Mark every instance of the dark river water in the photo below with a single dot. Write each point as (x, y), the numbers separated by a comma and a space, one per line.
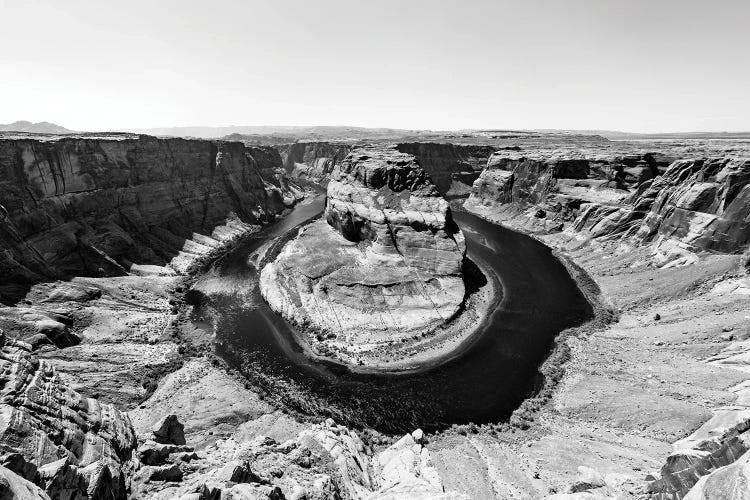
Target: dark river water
(485, 383)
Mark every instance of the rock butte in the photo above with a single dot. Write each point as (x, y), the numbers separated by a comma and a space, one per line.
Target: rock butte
(383, 265)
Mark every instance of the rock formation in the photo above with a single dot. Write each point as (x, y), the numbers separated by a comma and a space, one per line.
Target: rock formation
(313, 161)
(693, 204)
(727, 483)
(700, 204)
(70, 446)
(384, 264)
(324, 461)
(94, 205)
(452, 167)
(117, 204)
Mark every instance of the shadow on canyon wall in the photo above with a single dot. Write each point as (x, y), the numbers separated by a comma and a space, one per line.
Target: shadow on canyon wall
(119, 204)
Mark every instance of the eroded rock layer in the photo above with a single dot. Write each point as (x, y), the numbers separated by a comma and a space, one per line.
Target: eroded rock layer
(94, 205)
(452, 167)
(69, 445)
(314, 161)
(385, 263)
(687, 205)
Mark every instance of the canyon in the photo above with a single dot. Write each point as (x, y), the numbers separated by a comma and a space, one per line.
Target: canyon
(109, 357)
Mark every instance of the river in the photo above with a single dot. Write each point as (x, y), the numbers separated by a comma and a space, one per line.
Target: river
(485, 383)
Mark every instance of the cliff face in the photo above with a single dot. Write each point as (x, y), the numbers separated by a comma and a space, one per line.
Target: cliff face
(523, 179)
(689, 204)
(699, 204)
(452, 167)
(387, 199)
(95, 205)
(312, 161)
(385, 263)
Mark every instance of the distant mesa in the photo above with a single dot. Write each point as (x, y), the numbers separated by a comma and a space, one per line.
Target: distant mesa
(35, 128)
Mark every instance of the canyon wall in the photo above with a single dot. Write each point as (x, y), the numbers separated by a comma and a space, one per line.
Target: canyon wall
(452, 167)
(313, 161)
(94, 205)
(686, 205)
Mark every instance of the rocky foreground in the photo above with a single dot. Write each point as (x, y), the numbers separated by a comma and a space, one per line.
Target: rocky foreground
(55, 443)
(383, 266)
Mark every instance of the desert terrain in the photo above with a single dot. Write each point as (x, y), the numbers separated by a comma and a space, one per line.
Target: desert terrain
(117, 312)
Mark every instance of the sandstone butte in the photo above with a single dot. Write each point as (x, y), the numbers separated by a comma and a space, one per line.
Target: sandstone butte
(385, 262)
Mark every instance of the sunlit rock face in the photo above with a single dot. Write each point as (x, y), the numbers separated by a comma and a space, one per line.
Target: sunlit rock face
(685, 205)
(385, 198)
(697, 204)
(452, 167)
(69, 445)
(524, 178)
(386, 261)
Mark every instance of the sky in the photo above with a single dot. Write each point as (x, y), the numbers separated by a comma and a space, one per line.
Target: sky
(630, 65)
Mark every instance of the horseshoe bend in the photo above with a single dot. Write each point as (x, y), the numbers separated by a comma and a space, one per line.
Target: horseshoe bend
(381, 271)
(426, 293)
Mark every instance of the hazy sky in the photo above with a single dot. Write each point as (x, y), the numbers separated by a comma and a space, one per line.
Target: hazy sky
(634, 65)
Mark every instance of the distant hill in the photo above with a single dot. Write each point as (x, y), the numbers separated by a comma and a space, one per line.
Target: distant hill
(624, 136)
(310, 132)
(35, 128)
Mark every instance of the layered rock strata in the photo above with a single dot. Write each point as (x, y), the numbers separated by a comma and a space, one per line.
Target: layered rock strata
(452, 167)
(313, 161)
(69, 445)
(323, 461)
(95, 205)
(384, 264)
(693, 204)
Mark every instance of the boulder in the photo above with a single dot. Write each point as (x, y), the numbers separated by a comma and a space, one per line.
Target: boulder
(236, 472)
(167, 472)
(169, 430)
(13, 486)
(69, 292)
(153, 453)
(731, 482)
(587, 479)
